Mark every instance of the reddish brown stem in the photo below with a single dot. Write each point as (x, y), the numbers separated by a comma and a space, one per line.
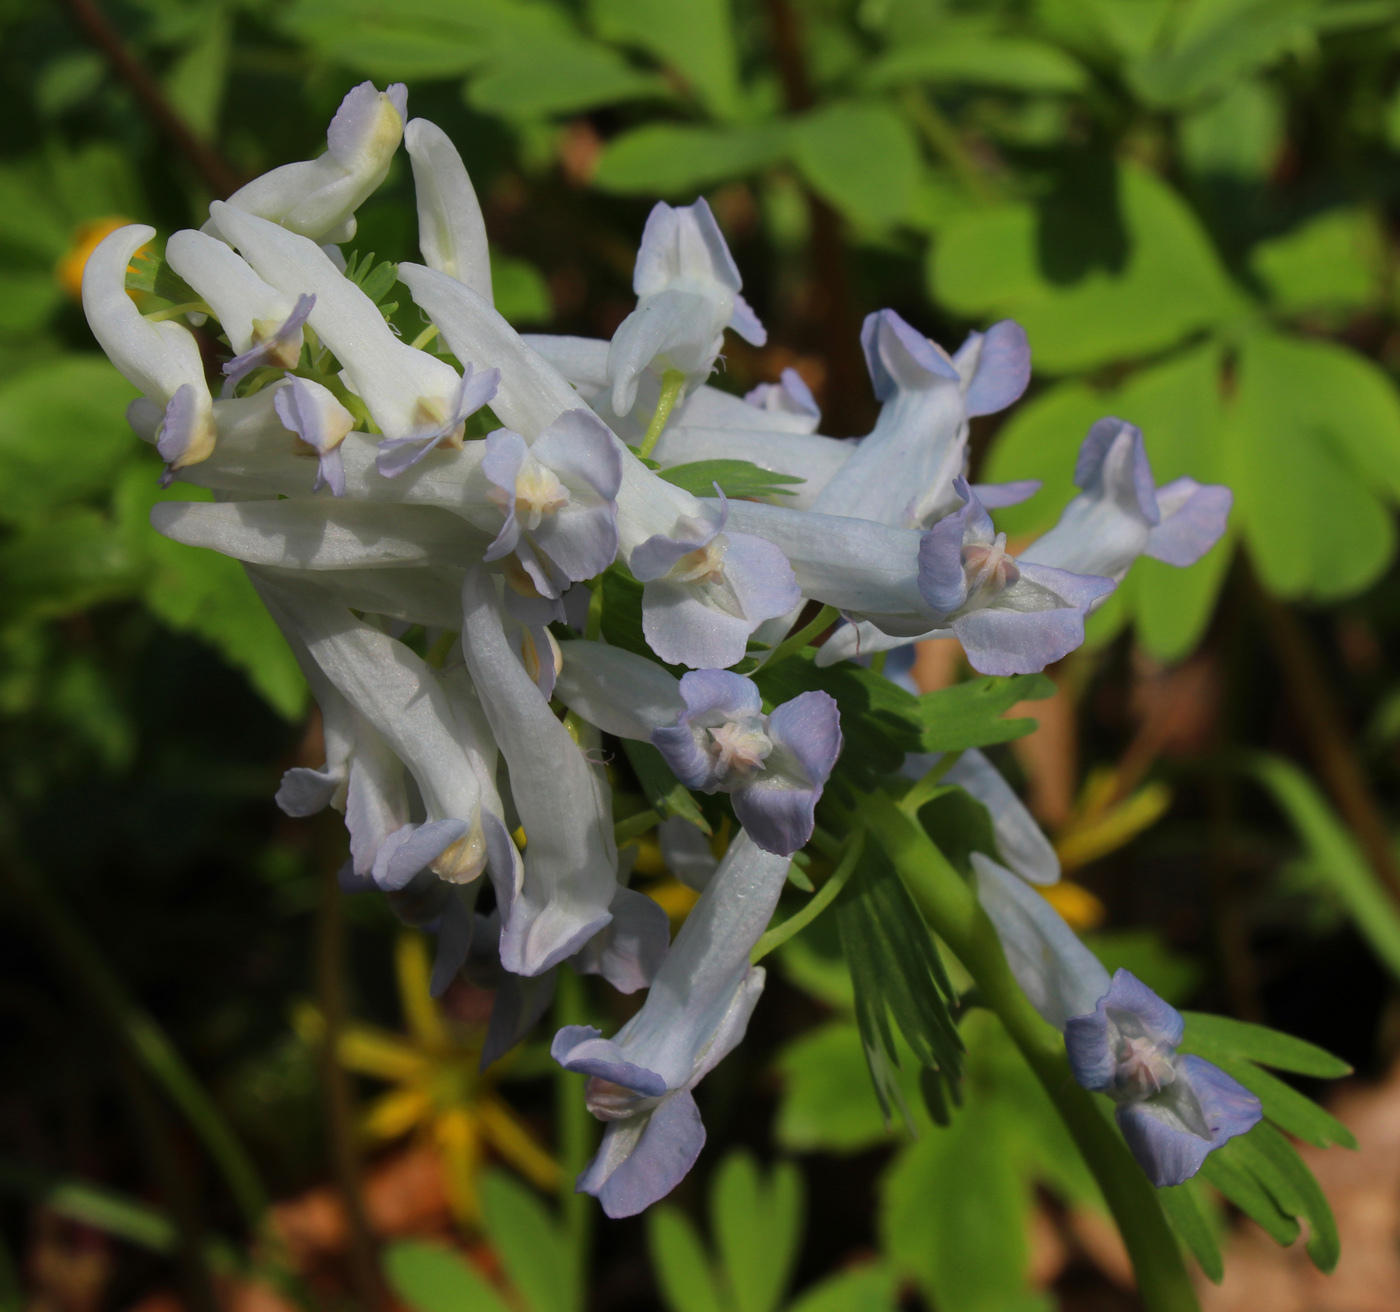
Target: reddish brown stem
(217, 174)
(846, 406)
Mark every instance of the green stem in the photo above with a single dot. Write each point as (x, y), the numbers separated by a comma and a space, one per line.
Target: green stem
(672, 385)
(826, 617)
(820, 900)
(574, 1131)
(954, 914)
(593, 629)
(943, 138)
(929, 787)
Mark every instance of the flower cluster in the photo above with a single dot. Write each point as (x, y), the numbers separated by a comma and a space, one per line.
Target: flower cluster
(430, 523)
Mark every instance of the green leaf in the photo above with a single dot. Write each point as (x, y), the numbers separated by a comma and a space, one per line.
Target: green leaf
(65, 563)
(622, 615)
(955, 1211)
(422, 38)
(1219, 1038)
(1230, 1169)
(682, 1268)
(665, 794)
(862, 158)
(1190, 1216)
(826, 1104)
(869, 1288)
(537, 1256)
(63, 434)
(1014, 63)
(208, 595)
(1238, 136)
(757, 1226)
(1290, 1110)
(673, 159)
(1315, 526)
(1215, 46)
(1277, 1166)
(896, 972)
(696, 39)
(559, 77)
(1334, 261)
(375, 280)
(195, 84)
(960, 825)
(985, 264)
(970, 714)
(432, 1278)
(736, 478)
(1337, 857)
(148, 272)
(520, 290)
(880, 721)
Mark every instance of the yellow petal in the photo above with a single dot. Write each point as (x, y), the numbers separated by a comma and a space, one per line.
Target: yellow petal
(676, 899)
(396, 1113)
(516, 1144)
(69, 269)
(460, 1145)
(420, 1011)
(1080, 909)
(377, 1052)
(1093, 835)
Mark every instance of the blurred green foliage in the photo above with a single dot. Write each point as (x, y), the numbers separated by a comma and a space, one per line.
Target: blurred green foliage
(1189, 204)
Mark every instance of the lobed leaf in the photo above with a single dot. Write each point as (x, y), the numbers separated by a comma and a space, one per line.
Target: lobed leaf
(1290, 1110)
(736, 478)
(433, 1278)
(1187, 1210)
(682, 1268)
(536, 1254)
(1219, 1038)
(970, 714)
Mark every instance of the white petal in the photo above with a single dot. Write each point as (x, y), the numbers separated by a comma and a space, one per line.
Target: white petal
(622, 693)
(393, 379)
(451, 231)
(320, 534)
(229, 287)
(1060, 976)
(563, 802)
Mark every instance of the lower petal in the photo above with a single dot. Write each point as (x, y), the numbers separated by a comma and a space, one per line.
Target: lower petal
(642, 1159)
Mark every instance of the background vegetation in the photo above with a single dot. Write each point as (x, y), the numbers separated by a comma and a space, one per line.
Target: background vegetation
(1191, 206)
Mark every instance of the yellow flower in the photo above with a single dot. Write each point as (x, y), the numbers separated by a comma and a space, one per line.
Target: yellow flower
(69, 269)
(437, 1090)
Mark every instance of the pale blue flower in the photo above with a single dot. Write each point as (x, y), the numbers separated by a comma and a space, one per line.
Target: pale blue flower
(695, 1013)
(773, 767)
(1120, 514)
(1173, 1109)
(559, 498)
(707, 590)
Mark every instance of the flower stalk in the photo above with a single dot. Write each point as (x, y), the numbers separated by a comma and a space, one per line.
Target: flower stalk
(954, 914)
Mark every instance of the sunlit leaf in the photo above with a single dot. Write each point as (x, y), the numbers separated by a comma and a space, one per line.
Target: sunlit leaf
(695, 38)
(986, 265)
(861, 157)
(672, 159)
